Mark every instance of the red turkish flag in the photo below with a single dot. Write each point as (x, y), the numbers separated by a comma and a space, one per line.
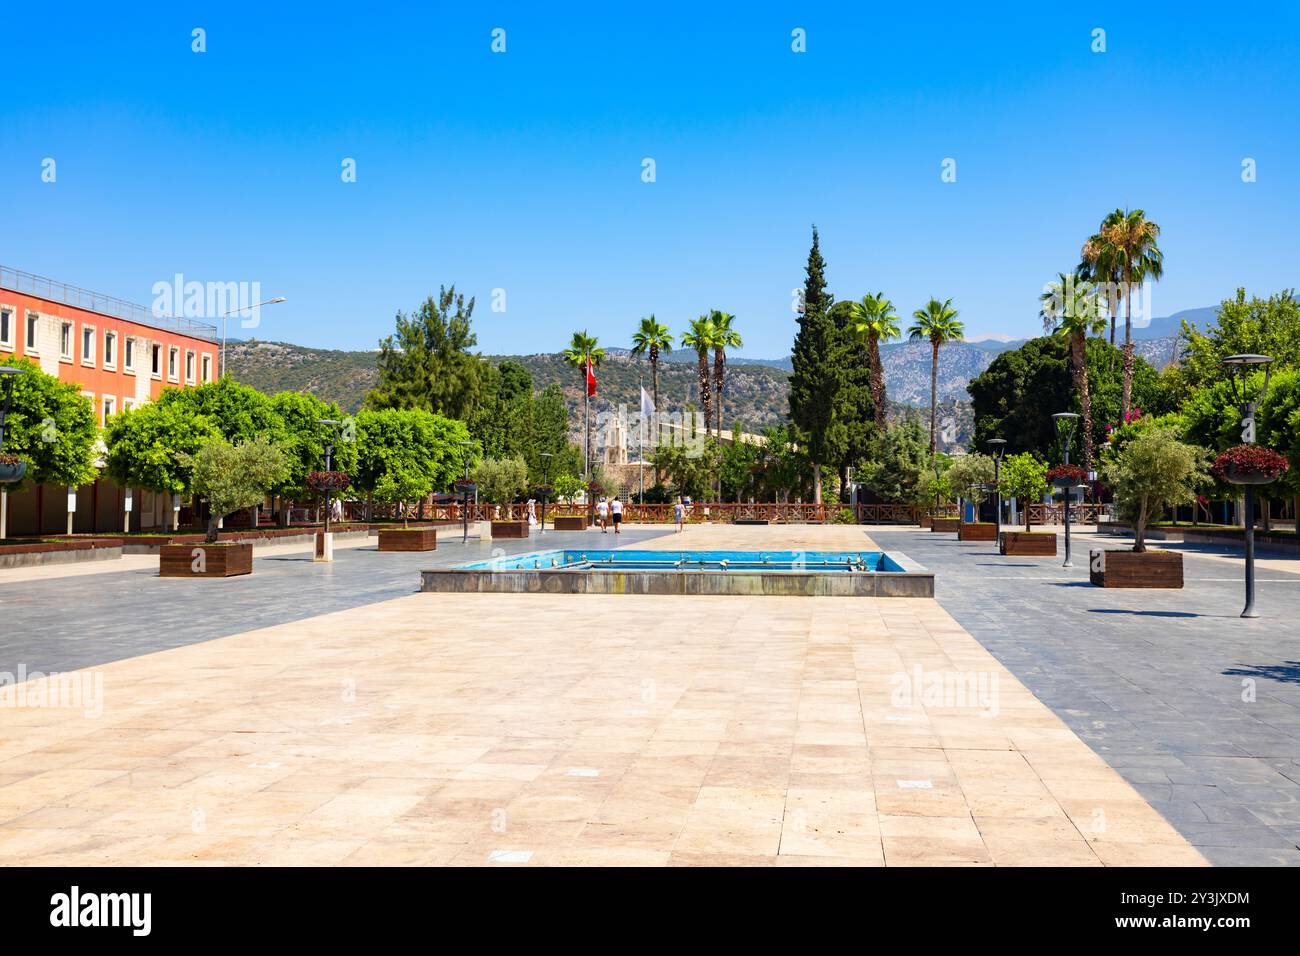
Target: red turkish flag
(591, 381)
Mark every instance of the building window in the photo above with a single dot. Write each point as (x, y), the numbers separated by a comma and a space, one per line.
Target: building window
(87, 345)
(110, 406)
(189, 367)
(155, 361)
(128, 355)
(65, 341)
(128, 404)
(207, 368)
(173, 356)
(110, 350)
(30, 346)
(7, 328)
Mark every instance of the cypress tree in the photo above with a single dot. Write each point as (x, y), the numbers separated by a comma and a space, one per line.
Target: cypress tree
(814, 380)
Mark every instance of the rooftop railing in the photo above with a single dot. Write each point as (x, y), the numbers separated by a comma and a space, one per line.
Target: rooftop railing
(43, 288)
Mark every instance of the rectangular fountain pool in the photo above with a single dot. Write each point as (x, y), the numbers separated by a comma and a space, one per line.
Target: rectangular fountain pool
(645, 571)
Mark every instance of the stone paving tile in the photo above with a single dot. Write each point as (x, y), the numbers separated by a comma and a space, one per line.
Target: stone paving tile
(527, 730)
(1152, 680)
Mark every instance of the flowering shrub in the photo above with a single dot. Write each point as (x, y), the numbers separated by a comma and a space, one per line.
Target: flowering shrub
(323, 481)
(8, 459)
(1250, 460)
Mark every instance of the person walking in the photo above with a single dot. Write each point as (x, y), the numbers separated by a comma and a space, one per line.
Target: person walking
(532, 514)
(616, 512)
(602, 514)
(679, 514)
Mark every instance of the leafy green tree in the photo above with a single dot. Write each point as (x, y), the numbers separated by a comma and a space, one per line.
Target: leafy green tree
(153, 446)
(737, 467)
(233, 477)
(691, 470)
(427, 363)
(1151, 471)
(51, 426)
(1243, 326)
(937, 323)
(1024, 477)
(784, 468)
(501, 480)
(403, 454)
(567, 487)
(304, 440)
(815, 374)
(970, 475)
(874, 321)
(900, 463)
(853, 420)
(1279, 429)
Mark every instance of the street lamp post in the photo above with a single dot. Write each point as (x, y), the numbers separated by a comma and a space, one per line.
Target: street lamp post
(997, 448)
(1065, 425)
(465, 492)
(226, 315)
(325, 545)
(1239, 366)
(546, 457)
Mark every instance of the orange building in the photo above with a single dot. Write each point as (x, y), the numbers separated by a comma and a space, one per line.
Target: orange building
(120, 355)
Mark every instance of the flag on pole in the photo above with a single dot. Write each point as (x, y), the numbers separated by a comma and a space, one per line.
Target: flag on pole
(591, 381)
(647, 406)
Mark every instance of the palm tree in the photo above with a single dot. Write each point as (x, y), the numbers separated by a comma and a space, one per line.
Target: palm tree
(724, 337)
(700, 337)
(1071, 308)
(1099, 265)
(584, 351)
(938, 323)
(1133, 241)
(651, 338)
(874, 321)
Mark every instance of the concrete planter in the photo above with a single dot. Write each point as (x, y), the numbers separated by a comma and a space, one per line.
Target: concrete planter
(569, 523)
(945, 525)
(408, 539)
(510, 529)
(1130, 569)
(1028, 544)
(205, 560)
(977, 531)
(59, 552)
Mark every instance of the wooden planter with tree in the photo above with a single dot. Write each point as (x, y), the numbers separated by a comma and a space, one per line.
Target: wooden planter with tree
(1149, 469)
(408, 539)
(230, 478)
(945, 525)
(504, 480)
(223, 559)
(977, 531)
(926, 521)
(1028, 544)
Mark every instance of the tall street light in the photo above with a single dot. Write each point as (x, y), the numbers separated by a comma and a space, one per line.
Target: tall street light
(226, 315)
(546, 457)
(1240, 366)
(997, 448)
(325, 546)
(1065, 425)
(465, 487)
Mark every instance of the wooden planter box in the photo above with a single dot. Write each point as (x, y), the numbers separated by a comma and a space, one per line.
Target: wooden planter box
(1028, 544)
(205, 560)
(569, 523)
(509, 529)
(945, 524)
(408, 539)
(977, 531)
(926, 520)
(1129, 569)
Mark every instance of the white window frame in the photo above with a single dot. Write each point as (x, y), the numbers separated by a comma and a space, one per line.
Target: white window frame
(107, 407)
(128, 403)
(206, 366)
(191, 366)
(68, 328)
(110, 349)
(128, 354)
(7, 340)
(30, 346)
(173, 363)
(88, 334)
(155, 371)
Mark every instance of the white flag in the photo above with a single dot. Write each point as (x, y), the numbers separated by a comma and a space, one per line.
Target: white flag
(647, 406)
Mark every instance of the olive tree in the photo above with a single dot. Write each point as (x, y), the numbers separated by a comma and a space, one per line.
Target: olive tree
(1150, 471)
(1024, 477)
(233, 477)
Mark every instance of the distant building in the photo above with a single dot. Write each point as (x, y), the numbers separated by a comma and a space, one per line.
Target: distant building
(120, 355)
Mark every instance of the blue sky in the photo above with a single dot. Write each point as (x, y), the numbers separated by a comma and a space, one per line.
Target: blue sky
(522, 170)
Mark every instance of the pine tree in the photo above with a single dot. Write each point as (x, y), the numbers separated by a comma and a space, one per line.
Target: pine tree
(814, 380)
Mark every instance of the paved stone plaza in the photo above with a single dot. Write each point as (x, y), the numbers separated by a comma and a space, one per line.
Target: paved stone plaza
(327, 714)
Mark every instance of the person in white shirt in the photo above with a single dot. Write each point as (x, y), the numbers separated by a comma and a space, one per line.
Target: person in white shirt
(616, 509)
(602, 514)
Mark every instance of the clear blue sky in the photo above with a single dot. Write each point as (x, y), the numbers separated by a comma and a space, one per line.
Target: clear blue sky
(523, 170)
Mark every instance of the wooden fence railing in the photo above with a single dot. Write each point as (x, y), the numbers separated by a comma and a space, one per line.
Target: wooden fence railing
(1080, 513)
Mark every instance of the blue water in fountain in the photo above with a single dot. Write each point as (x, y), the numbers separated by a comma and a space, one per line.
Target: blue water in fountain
(819, 562)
